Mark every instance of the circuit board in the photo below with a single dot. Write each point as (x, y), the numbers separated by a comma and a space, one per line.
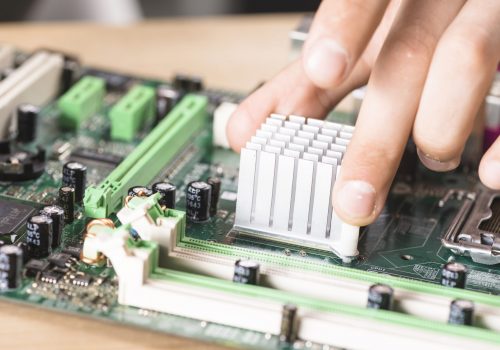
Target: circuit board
(402, 248)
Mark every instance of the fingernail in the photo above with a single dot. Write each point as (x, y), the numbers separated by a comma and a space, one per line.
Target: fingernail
(437, 165)
(356, 199)
(326, 63)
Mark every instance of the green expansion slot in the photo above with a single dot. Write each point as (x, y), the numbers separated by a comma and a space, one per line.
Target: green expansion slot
(84, 99)
(131, 112)
(150, 156)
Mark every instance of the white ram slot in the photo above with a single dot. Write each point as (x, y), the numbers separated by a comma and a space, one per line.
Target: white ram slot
(248, 162)
(283, 196)
(303, 186)
(264, 194)
(7, 54)
(37, 82)
(321, 205)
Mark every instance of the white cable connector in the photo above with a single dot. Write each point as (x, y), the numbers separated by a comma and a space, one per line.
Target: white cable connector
(287, 173)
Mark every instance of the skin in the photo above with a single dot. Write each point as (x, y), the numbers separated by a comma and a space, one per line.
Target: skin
(428, 65)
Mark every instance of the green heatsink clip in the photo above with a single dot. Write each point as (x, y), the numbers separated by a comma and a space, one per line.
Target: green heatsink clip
(158, 149)
(81, 101)
(131, 112)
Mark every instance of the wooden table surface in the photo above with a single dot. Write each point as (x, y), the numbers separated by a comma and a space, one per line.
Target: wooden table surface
(228, 52)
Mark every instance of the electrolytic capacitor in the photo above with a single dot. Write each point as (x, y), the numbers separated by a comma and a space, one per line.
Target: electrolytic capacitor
(167, 191)
(288, 328)
(198, 196)
(27, 116)
(75, 175)
(246, 272)
(67, 202)
(11, 264)
(166, 99)
(214, 199)
(380, 297)
(461, 312)
(25, 249)
(139, 191)
(56, 213)
(453, 275)
(39, 236)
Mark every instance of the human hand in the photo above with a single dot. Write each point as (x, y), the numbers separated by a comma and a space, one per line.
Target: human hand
(428, 64)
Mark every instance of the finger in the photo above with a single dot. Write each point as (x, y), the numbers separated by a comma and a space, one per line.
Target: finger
(340, 32)
(489, 168)
(459, 77)
(290, 92)
(389, 108)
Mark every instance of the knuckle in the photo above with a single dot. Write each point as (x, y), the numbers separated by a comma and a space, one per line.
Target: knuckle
(472, 49)
(412, 43)
(369, 156)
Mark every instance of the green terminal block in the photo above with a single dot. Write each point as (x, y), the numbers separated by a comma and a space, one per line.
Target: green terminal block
(81, 101)
(131, 112)
(157, 150)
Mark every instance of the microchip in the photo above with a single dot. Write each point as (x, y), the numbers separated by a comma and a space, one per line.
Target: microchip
(51, 276)
(12, 216)
(82, 280)
(35, 266)
(73, 250)
(60, 259)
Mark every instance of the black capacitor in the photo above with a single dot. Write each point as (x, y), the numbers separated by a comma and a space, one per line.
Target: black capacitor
(11, 265)
(75, 175)
(461, 312)
(67, 202)
(39, 236)
(167, 191)
(71, 70)
(453, 275)
(198, 196)
(288, 327)
(56, 213)
(139, 191)
(166, 99)
(25, 248)
(214, 199)
(246, 272)
(27, 116)
(380, 297)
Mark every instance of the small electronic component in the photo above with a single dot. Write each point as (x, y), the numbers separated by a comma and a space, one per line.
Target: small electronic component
(56, 213)
(74, 251)
(139, 191)
(60, 259)
(27, 116)
(288, 327)
(215, 183)
(13, 216)
(198, 197)
(167, 192)
(453, 274)
(51, 276)
(286, 177)
(82, 280)
(188, 83)
(66, 201)
(11, 264)
(22, 165)
(39, 236)
(380, 296)
(34, 267)
(166, 99)
(461, 312)
(86, 154)
(75, 175)
(246, 272)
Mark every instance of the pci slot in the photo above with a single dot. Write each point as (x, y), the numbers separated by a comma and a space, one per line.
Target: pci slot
(156, 150)
(144, 285)
(37, 82)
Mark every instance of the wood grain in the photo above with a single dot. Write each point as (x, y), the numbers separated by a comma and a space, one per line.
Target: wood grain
(229, 52)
